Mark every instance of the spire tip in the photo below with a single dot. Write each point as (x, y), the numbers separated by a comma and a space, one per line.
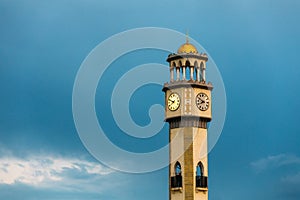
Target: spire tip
(187, 37)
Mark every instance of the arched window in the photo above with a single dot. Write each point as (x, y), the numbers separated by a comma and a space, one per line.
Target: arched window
(176, 181)
(177, 169)
(194, 74)
(173, 71)
(202, 72)
(197, 71)
(187, 72)
(199, 169)
(201, 180)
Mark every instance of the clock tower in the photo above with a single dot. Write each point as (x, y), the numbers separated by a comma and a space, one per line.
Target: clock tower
(188, 111)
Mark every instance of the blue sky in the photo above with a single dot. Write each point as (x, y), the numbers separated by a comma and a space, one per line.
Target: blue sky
(254, 43)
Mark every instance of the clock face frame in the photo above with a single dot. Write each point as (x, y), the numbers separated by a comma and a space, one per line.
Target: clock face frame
(202, 101)
(173, 101)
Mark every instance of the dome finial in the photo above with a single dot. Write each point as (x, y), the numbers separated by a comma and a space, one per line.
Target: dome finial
(187, 47)
(187, 36)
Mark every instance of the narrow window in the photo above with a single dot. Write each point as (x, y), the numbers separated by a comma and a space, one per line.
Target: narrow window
(176, 181)
(177, 169)
(201, 180)
(199, 169)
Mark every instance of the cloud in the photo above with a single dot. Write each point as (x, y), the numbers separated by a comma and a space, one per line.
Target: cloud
(292, 179)
(276, 161)
(51, 172)
(289, 186)
(286, 180)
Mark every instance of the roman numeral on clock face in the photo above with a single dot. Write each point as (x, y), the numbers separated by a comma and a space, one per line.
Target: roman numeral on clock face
(173, 101)
(202, 101)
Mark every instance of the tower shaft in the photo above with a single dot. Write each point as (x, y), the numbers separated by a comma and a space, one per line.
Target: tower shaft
(188, 110)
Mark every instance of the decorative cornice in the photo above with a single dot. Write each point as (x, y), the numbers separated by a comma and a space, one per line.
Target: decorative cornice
(174, 56)
(181, 122)
(187, 84)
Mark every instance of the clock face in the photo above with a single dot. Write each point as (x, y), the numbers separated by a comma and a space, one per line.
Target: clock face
(173, 101)
(202, 101)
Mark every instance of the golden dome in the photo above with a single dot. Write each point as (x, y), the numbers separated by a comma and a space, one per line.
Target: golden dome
(187, 48)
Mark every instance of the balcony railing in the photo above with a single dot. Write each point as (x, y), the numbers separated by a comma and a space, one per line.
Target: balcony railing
(176, 181)
(201, 181)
